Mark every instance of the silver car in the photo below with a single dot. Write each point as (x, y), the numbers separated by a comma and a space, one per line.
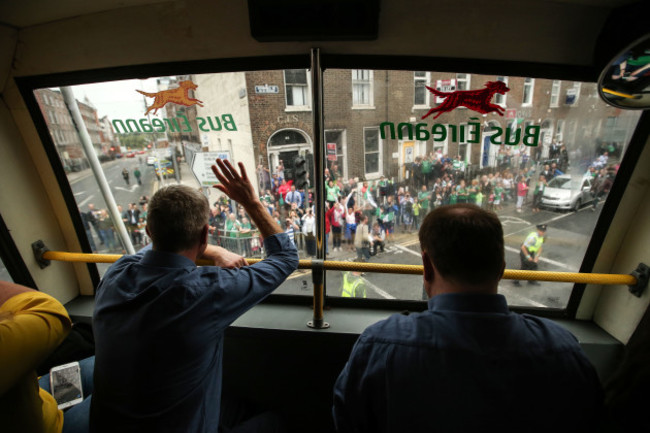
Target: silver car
(566, 192)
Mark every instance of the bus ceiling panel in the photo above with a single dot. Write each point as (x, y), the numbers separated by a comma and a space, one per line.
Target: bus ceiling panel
(152, 32)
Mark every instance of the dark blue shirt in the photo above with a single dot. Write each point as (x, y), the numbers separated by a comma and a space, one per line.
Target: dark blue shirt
(159, 322)
(466, 365)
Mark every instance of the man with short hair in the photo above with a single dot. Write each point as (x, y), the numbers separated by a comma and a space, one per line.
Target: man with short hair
(159, 320)
(293, 196)
(467, 364)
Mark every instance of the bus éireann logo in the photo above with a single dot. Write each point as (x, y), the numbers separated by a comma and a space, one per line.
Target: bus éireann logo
(178, 96)
(477, 100)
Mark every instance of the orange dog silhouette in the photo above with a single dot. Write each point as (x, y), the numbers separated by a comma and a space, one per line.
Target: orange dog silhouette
(477, 100)
(176, 96)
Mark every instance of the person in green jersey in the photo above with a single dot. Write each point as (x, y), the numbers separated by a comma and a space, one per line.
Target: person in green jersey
(333, 192)
(423, 199)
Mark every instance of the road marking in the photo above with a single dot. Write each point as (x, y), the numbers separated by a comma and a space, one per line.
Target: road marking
(378, 290)
(132, 189)
(407, 250)
(507, 219)
(79, 193)
(549, 261)
(86, 200)
(545, 222)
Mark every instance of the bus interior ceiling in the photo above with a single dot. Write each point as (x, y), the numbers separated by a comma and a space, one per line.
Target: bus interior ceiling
(271, 356)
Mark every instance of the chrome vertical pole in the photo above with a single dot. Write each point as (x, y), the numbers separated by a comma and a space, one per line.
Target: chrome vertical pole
(318, 273)
(86, 142)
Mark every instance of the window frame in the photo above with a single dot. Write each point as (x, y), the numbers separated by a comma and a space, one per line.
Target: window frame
(555, 93)
(27, 85)
(466, 79)
(373, 175)
(501, 98)
(531, 93)
(369, 82)
(427, 82)
(293, 107)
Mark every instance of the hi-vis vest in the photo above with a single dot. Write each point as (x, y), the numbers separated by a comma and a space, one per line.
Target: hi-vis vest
(351, 285)
(539, 240)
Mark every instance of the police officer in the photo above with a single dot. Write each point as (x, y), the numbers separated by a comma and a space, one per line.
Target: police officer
(353, 285)
(531, 250)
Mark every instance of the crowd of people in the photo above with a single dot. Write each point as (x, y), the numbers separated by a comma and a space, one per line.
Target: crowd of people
(99, 222)
(384, 206)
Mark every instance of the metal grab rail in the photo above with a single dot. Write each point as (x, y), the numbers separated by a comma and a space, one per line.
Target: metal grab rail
(330, 265)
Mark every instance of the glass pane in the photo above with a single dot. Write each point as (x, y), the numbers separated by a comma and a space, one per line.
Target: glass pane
(409, 161)
(4, 273)
(144, 144)
(371, 138)
(420, 92)
(296, 76)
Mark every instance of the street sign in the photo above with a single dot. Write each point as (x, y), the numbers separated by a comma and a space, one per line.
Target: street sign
(202, 166)
(267, 89)
(331, 151)
(446, 86)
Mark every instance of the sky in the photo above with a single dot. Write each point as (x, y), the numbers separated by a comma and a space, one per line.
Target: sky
(117, 99)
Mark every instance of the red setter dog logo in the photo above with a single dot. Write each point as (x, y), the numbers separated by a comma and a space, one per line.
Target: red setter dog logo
(178, 96)
(477, 100)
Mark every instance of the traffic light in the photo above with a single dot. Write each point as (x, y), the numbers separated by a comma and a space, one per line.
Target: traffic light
(300, 172)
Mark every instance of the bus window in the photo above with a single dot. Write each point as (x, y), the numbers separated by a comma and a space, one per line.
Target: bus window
(4, 274)
(169, 130)
(401, 143)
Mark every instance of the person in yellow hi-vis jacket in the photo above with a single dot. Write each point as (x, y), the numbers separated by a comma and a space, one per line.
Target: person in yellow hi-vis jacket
(353, 286)
(531, 250)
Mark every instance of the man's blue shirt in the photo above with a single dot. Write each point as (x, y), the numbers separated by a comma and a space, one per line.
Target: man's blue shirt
(159, 322)
(466, 364)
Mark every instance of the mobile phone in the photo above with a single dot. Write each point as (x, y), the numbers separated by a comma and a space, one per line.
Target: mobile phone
(65, 384)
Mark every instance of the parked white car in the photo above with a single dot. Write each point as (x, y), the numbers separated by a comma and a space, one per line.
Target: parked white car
(566, 192)
(151, 160)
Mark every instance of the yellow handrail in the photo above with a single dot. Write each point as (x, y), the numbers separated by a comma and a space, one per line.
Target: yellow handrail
(331, 265)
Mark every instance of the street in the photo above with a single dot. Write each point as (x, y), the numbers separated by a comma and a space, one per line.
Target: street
(567, 238)
(566, 242)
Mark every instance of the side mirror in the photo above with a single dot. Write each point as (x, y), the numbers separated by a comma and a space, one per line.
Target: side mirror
(622, 54)
(625, 81)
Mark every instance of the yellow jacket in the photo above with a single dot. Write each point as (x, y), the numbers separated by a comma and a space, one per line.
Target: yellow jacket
(32, 325)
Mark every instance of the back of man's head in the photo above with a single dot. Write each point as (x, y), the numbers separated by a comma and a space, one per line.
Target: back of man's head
(176, 217)
(464, 242)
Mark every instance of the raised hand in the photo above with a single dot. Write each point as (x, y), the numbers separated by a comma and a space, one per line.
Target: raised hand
(235, 185)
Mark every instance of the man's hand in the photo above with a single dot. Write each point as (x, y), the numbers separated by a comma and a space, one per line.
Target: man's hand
(223, 258)
(236, 186)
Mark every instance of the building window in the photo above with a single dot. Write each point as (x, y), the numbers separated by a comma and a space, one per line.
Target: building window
(500, 99)
(529, 85)
(296, 88)
(362, 88)
(372, 153)
(462, 81)
(420, 80)
(555, 93)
